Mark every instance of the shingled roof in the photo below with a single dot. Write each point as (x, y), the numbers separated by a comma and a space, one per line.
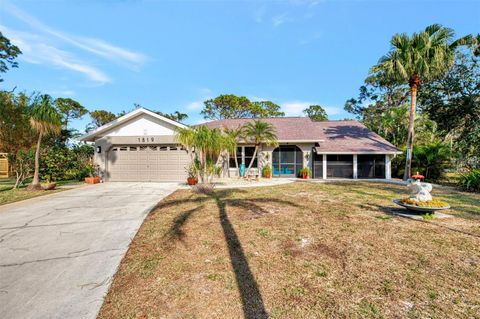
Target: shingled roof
(331, 136)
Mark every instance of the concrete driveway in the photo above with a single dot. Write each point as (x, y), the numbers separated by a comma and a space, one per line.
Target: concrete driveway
(58, 253)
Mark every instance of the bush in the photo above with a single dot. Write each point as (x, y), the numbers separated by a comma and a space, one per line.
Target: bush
(431, 160)
(470, 181)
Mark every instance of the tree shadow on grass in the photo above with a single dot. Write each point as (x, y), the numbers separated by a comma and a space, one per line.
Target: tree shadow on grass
(176, 229)
(252, 301)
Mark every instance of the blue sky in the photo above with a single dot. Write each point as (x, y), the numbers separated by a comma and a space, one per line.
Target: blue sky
(172, 55)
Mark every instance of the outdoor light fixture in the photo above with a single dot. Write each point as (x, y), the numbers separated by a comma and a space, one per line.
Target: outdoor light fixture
(99, 149)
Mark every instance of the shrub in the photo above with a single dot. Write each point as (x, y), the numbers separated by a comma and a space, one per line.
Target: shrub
(470, 181)
(431, 159)
(267, 171)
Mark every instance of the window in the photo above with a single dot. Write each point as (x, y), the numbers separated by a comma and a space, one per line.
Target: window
(317, 165)
(249, 150)
(239, 158)
(340, 166)
(287, 160)
(371, 166)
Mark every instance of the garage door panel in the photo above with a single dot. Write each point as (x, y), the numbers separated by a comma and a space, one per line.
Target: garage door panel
(147, 163)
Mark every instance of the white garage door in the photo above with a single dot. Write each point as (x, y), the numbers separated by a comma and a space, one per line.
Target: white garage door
(153, 163)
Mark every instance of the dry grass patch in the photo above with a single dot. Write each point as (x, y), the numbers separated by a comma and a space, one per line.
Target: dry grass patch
(300, 251)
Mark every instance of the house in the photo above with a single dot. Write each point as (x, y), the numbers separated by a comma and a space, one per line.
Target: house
(141, 146)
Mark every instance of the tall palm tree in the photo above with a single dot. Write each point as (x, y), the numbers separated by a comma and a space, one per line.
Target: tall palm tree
(423, 57)
(235, 134)
(259, 132)
(44, 119)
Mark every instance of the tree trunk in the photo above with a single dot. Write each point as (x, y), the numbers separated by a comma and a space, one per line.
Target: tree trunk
(414, 82)
(253, 159)
(236, 162)
(36, 179)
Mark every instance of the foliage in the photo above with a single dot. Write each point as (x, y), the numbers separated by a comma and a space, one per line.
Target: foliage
(306, 170)
(454, 103)
(100, 118)
(316, 113)
(23, 165)
(235, 134)
(45, 120)
(15, 131)
(175, 116)
(232, 106)
(435, 202)
(431, 159)
(69, 110)
(259, 132)
(208, 144)
(267, 171)
(8, 53)
(421, 58)
(470, 181)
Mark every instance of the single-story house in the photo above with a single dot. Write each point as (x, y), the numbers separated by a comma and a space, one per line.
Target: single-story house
(141, 146)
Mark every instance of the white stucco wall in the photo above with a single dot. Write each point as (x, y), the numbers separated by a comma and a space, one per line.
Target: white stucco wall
(142, 125)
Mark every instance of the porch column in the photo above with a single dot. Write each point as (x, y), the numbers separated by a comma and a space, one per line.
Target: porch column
(324, 166)
(355, 166)
(388, 167)
(306, 162)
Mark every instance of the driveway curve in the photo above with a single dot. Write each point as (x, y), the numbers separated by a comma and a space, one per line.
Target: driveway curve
(58, 253)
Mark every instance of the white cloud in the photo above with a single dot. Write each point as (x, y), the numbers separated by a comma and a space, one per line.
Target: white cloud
(294, 108)
(279, 19)
(92, 45)
(35, 50)
(62, 93)
(194, 106)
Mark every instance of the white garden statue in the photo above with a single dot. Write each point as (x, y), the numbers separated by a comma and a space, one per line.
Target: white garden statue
(419, 191)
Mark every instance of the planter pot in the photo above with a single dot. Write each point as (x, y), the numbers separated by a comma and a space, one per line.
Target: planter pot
(267, 175)
(419, 208)
(92, 180)
(305, 176)
(192, 181)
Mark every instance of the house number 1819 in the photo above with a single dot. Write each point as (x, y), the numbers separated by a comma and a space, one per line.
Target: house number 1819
(146, 139)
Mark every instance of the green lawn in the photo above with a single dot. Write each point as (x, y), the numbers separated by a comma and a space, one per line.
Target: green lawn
(330, 250)
(9, 195)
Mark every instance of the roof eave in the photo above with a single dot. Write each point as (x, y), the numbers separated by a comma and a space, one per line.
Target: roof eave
(90, 137)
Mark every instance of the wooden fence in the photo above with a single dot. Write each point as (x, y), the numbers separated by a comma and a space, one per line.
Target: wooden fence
(4, 166)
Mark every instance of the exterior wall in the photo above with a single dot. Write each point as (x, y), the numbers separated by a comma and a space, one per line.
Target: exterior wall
(143, 125)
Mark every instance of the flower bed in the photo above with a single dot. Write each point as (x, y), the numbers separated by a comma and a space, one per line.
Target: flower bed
(434, 203)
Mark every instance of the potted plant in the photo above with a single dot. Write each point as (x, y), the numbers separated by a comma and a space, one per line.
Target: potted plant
(192, 174)
(305, 172)
(92, 178)
(267, 171)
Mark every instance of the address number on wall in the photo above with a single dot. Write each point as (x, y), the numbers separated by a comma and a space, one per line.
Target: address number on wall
(146, 139)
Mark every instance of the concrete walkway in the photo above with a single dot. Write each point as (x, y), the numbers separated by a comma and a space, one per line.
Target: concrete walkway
(58, 253)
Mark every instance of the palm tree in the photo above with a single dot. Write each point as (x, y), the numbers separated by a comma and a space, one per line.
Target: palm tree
(235, 134)
(205, 145)
(259, 132)
(44, 119)
(423, 57)
(185, 137)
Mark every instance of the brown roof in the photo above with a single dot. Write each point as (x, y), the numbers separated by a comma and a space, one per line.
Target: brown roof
(332, 136)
